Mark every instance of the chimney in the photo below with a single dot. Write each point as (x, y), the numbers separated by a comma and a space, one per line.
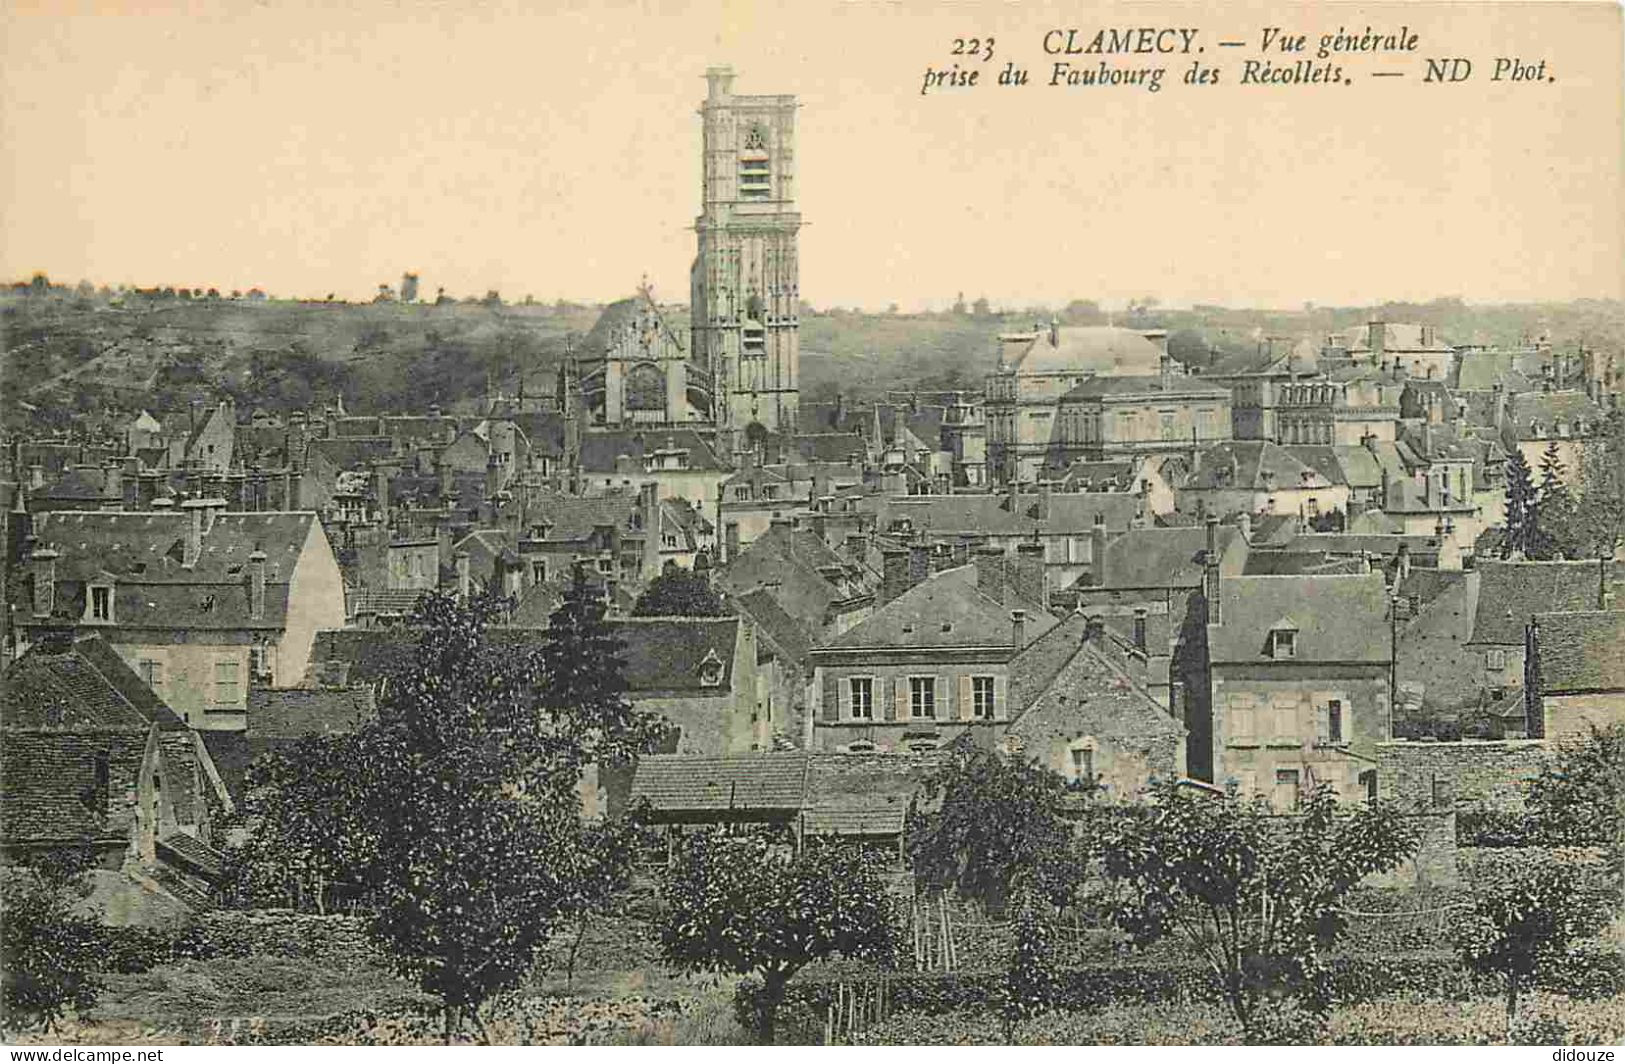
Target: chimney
(1404, 566)
(1139, 628)
(1097, 549)
(1244, 525)
(194, 508)
(44, 565)
(213, 507)
(857, 547)
(919, 563)
(1365, 563)
(1030, 582)
(380, 489)
(894, 568)
(1054, 332)
(113, 486)
(1018, 628)
(493, 475)
(730, 541)
(331, 418)
(256, 585)
(464, 580)
(1377, 338)
(1210, 576)
(36, 476)
(443, 467)
(1094, 630)
(990, 579)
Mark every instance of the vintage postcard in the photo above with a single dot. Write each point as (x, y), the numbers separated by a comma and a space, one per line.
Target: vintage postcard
(851, 523)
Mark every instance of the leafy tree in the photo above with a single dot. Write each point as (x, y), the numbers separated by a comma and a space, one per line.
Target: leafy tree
(989, 823)
(585, 693)
(1598, 524)
(748, 905)
(1579, 798)
(679, 592)
(1521, 507)
(1030, 984)
(1255, 895)
(1525, 929)
(48, 956)
(311, 828)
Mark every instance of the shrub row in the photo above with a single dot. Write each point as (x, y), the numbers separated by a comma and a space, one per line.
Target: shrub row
(139, 949)
(1090, 986)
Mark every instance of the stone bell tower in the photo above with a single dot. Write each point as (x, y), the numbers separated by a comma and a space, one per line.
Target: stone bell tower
(746, 276)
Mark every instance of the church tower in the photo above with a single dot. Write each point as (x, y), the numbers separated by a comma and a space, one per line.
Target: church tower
(746, 277)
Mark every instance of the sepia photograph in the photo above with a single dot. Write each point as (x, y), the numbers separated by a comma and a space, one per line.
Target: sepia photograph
(879, 523)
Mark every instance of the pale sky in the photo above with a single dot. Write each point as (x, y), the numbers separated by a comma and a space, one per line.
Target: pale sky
(553, 149)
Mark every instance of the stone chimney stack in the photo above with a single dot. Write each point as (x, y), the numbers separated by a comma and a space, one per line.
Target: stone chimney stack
(1030, 581)
(894, 568)
(1210, 576)
(1018, 628)
(193, 548)
(464, 579)
(1403, 570)
(256, 585)
(990, 577)
(44, 566)
(1097, 549)
(113, 485)
(919, 563)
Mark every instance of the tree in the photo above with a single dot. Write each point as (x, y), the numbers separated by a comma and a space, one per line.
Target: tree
(748, 905)
(1031, 982)
(1554, 522)
(1599, 516)
(1579, 798)
(48, 956)
(1526, 928)
(474, 767)
(1255, 895)
(1521, 507)
(679, 592)
(987, 822)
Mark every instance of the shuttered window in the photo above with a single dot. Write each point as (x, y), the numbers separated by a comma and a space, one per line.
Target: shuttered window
(922, 697)
(861, 695)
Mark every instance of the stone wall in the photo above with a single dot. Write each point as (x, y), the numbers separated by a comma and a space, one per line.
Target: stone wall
(1461, 776)
(1435, 863)
(284, 933)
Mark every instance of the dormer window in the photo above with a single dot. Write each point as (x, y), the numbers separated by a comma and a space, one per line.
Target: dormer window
(710, 669)
(99, 607)
(1283, 643)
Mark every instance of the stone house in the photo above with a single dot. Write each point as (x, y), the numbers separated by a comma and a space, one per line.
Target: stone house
(1300, 670)
(1083, 710)
(827, 592)
(201, 604)
(932, 663)
(1581, 672)
(94, 757)
(1258, 477)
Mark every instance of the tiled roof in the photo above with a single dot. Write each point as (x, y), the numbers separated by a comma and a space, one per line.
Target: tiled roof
(287, 713)
(1338, 619)
(1582, 651)
(880, 819)
(48, 784)
(781, 629)
(1510, 593)
(676, 782)
(82, 686)
(192, 853)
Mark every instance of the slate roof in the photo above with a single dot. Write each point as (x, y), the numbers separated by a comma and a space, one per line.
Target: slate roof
(1094, 695)
(85, 685)
(790, 564)
(661, 654)
(1582, 651)
(601, 448)
(1510, 593)
(47, 783)
(944, 610)
(1548, 408)
(143, 552)
(1342, 619)
(1162, 557)
(574, 517)
(1354, 466)
(781, 629)
(830, 446)
(1397, 336)
(987, 514)
(1251, 465)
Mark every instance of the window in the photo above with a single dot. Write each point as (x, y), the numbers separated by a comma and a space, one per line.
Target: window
(1286, 788)
(538, 572)
(1495, 659)
(1284, 643)
(151, 672)
(755, 177)
(101, 604)
(1083, 765)
(922, 696)
(605, 564)
(1334, 721)
(228, 685)
(981, 688)
(862, 689)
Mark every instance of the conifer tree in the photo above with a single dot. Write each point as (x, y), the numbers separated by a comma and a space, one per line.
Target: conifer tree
(1521, 508)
